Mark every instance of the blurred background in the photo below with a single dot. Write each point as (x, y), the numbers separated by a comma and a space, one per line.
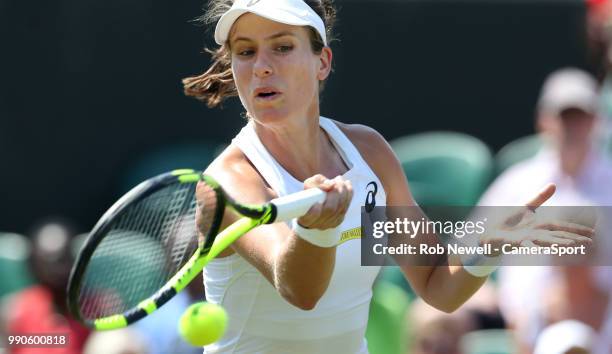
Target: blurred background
(91, 103)
(89, 88)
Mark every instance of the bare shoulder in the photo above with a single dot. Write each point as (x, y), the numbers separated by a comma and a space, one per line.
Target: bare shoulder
(362, 136)
(372, 146)
(381, 158)
(238, 177)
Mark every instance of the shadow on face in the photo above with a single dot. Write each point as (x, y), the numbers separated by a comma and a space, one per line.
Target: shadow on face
(576, 125)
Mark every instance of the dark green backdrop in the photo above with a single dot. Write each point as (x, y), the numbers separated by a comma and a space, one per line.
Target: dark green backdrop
(88, 86)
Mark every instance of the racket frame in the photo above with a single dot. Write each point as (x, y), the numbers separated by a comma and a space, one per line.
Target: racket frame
(253, 215)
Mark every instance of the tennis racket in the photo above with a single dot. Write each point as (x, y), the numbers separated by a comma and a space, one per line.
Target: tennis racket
(144, 249)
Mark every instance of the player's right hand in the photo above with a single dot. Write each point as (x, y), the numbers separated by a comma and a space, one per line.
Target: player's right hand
(331, 212)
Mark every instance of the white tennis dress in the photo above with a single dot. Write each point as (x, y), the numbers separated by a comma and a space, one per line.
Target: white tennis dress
(260, 320)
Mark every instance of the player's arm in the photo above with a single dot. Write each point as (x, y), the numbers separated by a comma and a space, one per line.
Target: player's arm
(299, 270)
(444, 286)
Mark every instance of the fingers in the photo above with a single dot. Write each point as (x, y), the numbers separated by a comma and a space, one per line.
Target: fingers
(549, 240)
(560, 238)
(317, 181)
(567, 227)
(331, 212)
(577, 239)
(525, 216)
(541, 197)
(336, 204)
(332, 205)
(528, 243)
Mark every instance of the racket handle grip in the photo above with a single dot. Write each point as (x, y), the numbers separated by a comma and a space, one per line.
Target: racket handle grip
(297, 204)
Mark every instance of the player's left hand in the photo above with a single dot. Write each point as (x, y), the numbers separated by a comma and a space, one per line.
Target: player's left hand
(523, 227)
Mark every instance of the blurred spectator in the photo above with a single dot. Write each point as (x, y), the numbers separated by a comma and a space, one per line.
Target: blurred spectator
(436, 332)
(532, 297)
(14, 272)
(599, 32)
(42, 308)
(598, 12)
(566, 119)
(120, 341)
(567, 337)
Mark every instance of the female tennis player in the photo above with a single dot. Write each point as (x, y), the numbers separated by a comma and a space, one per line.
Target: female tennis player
(299, 287)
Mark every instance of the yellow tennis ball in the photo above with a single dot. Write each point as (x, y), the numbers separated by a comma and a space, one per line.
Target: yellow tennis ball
(203, 323)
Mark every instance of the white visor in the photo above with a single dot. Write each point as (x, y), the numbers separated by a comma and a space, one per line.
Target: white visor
(569, 88)
(290, 12)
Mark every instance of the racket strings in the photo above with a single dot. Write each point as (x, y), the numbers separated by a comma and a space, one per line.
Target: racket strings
(206, 210)
(144, 247)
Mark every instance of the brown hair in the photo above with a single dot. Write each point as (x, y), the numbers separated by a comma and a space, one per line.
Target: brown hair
(216, 84)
